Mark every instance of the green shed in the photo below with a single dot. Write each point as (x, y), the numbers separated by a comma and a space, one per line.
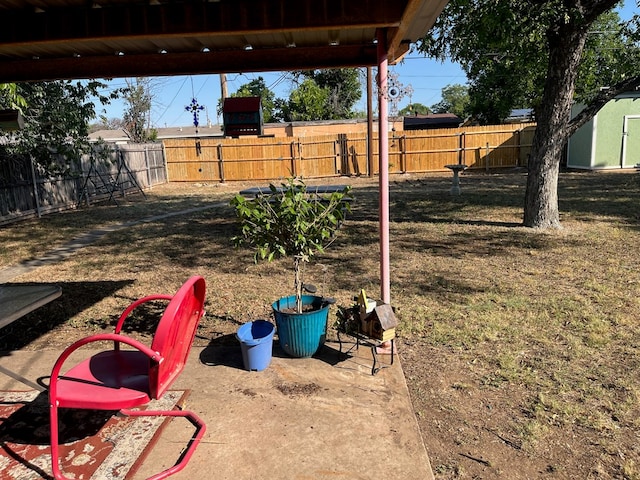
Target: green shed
(611, 139)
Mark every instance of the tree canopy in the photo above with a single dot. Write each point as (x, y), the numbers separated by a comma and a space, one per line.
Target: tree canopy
(10, 97)
(343, 88)
(56, 121)
(317, 95)
(455, 99)
(414, 109)
(544, 54)
(307, 102)
(503, 48)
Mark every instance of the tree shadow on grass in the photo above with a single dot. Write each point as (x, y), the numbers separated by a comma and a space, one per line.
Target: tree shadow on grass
(427, 199)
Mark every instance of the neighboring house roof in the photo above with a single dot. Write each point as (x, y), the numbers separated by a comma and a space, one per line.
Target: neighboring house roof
(120, 136)
(434, 120)
(520, 115)
(110, 136)
(190, 132)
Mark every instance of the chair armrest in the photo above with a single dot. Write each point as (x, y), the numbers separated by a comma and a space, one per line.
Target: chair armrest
(136, 304)
(55, 372)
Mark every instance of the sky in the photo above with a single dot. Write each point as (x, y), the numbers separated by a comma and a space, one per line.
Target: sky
(420, 79)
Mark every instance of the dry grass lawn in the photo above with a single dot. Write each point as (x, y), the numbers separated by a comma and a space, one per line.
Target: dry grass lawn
(521, 348)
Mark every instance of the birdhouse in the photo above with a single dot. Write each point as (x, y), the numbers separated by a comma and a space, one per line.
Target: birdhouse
(380, 324)
(11, 120)
(242, 116)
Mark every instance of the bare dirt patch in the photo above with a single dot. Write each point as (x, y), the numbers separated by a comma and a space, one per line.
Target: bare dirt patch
(298, 389)
(521, 349)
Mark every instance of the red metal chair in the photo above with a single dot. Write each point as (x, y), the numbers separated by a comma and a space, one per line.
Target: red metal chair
(120, 379)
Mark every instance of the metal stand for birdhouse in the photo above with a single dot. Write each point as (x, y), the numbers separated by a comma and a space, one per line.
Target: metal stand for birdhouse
(105, 183)
(373, 344)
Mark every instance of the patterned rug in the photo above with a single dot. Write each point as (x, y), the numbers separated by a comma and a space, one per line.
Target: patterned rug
(93, 444)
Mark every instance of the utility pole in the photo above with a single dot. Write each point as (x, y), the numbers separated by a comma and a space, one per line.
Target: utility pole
(223, 90)
(223, 86)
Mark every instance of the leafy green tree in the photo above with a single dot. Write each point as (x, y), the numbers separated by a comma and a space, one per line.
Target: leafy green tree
(306, 103)
(610, 54)
(519, 53)
(495, 90)
(288, 222)
(258, 88)
(343, 85)
(339, 89)
(10, 98)
(455, 99)
(414, 109)
(56, 122)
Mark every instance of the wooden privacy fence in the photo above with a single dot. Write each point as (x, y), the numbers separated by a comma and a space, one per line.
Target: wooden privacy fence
(24, 191)
(119, 170)
(229, 159)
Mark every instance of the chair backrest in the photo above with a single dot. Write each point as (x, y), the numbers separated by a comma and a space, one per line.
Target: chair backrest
(175, 333)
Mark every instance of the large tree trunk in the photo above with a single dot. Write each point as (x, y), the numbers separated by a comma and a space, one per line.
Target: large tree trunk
(541, 199)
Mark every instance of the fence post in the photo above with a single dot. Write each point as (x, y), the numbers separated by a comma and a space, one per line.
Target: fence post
(120, 183)
(220, 163)
(165, 163)
(294, 168)
(486, 159)
(146, 164)
(461, 147)
(343, 154)
(36, 197)
(402, 143)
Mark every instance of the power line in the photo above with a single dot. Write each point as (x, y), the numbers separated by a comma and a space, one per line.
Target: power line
(172, 100)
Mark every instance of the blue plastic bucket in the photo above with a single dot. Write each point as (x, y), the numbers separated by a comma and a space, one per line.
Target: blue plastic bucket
(256, 342)
(301, 334)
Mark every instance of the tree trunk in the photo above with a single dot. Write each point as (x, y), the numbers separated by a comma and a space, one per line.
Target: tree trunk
(541, 199)
(297, 269)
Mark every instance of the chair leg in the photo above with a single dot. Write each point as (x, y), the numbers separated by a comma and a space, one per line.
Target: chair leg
(180, 464)
(54, 437)
(193, 443)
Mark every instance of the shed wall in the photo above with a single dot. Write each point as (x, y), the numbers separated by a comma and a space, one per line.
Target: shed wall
(631, 149)
(580, 150)
(599, 143)
(610, 125)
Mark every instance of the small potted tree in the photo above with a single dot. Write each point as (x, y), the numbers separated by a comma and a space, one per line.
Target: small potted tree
(290, 221)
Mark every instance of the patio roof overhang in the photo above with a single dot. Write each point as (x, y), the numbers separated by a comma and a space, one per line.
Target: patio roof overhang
(74, 39)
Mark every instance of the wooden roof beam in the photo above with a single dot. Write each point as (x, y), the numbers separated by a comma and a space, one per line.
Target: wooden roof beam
(296, 58)
(408, 30)
(132, 20)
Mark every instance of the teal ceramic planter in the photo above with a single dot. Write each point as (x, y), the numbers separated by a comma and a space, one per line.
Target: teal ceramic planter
(301, 334)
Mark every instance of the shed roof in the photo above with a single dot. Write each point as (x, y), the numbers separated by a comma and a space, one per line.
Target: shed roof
(68, 39)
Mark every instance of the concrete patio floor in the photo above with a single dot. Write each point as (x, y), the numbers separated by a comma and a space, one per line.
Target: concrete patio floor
(324, 417)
